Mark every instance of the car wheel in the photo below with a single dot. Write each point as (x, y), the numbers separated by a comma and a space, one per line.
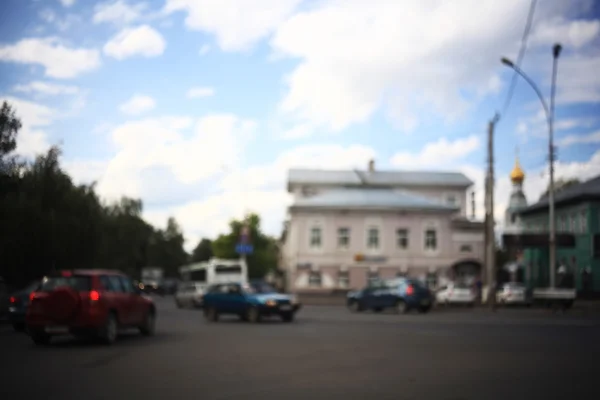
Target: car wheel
(40, 338)
(19, 327)
(149, 326)
(354, 306)
(253, 315)
(287, 317)
(109, 332)
(401, 307)
(425, 310)
(211, 314)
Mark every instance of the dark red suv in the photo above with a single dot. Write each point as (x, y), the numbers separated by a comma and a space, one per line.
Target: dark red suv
(88, 303)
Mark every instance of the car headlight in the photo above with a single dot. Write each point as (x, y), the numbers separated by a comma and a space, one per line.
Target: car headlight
(271, 303)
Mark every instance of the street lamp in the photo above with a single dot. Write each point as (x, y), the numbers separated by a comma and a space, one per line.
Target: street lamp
(550, 120)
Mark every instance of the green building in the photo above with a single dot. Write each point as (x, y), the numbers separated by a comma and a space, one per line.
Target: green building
(577, 210)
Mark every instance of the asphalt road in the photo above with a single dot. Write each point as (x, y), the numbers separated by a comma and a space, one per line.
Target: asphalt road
(328, 353)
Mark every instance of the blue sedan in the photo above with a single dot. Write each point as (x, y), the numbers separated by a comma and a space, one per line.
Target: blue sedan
(251, 302)
(17, 308)
(401, 294)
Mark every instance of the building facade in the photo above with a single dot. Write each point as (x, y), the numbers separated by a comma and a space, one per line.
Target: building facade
(348, 227)
(577, 210)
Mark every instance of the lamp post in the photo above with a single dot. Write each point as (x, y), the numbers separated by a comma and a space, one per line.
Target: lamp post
(550, 120)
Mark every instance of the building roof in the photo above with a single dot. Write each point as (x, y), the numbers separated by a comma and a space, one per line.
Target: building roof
(371, 199)
(588, 190)
(517, 175)
(377, 178)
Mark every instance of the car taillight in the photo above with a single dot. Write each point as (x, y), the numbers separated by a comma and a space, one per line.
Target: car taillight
(31, 296)
(410, 290)
(94, 295)
(13, 299)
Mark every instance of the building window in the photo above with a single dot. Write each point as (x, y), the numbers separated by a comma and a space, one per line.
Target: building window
(573, 224)
(315, 237)
(343, 279)
(583, 222)
(402, 238)
(343, 238)
(314, 279)
(373, 238)
(401, 274)
(372, 277)
(562, 226)
(451, 199)
(466, 248)
(430, 240)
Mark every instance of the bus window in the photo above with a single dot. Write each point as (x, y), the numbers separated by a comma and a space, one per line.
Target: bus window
(198, 275)
(228, 269)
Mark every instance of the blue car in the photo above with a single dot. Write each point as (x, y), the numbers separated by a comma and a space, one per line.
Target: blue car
(251, 302)
(18, 303)
(401, 294)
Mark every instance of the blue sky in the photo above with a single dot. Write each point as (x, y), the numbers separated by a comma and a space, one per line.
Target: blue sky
(199, 107)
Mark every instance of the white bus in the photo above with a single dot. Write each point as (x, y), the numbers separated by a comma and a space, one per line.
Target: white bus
(215, 271)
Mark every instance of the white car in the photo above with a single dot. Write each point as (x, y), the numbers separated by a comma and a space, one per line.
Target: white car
(512, 293)
(189, 294)
(454, 293)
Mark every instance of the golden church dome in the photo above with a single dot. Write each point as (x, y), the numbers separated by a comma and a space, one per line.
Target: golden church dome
(517, 175)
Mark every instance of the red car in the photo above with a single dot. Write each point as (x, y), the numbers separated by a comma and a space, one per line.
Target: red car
(88, 303)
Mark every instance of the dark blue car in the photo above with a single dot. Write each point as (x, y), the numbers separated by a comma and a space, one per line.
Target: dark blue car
(250, 302)
(401, 294)
(18, 303)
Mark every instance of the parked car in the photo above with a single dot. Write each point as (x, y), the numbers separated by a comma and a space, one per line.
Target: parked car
(3, 299)
(189, 294)
(513, 294)
(18, 304)
(401, 294)
(168, 286)
(87, 303)
(456, 293)
(251, 302)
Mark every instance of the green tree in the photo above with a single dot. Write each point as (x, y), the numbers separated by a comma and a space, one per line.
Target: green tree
(47, 222)
(265, 255)
(202, 251)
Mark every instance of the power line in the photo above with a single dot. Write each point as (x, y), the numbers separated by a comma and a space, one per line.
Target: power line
(522, 51)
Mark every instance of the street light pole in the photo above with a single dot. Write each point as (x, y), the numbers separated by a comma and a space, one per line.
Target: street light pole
(550, 120)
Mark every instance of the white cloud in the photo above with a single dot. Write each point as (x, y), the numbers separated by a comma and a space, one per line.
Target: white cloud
(408, 57)
(197, 92)
(46, 88)
(59, 61)
(441, 152)
(31, 139)
(577, 81)
(138, 104)
(118, 12)
(204, 49)
(571, 34)
(237, 24)
(590, 138)
(298, 132)
(188, 151)
(67, 3)
(141, 41)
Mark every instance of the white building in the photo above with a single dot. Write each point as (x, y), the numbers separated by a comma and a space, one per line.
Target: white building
(346, 227)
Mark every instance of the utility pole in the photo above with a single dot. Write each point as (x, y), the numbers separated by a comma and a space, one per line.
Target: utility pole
(552, 223)
(490, 251)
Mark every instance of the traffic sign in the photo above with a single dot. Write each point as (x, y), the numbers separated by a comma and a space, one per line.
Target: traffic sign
(242, 248)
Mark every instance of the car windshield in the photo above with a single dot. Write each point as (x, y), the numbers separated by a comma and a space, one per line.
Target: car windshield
(79, 283)
(260, 287)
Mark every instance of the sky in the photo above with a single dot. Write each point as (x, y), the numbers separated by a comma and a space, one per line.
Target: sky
(200, 107)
